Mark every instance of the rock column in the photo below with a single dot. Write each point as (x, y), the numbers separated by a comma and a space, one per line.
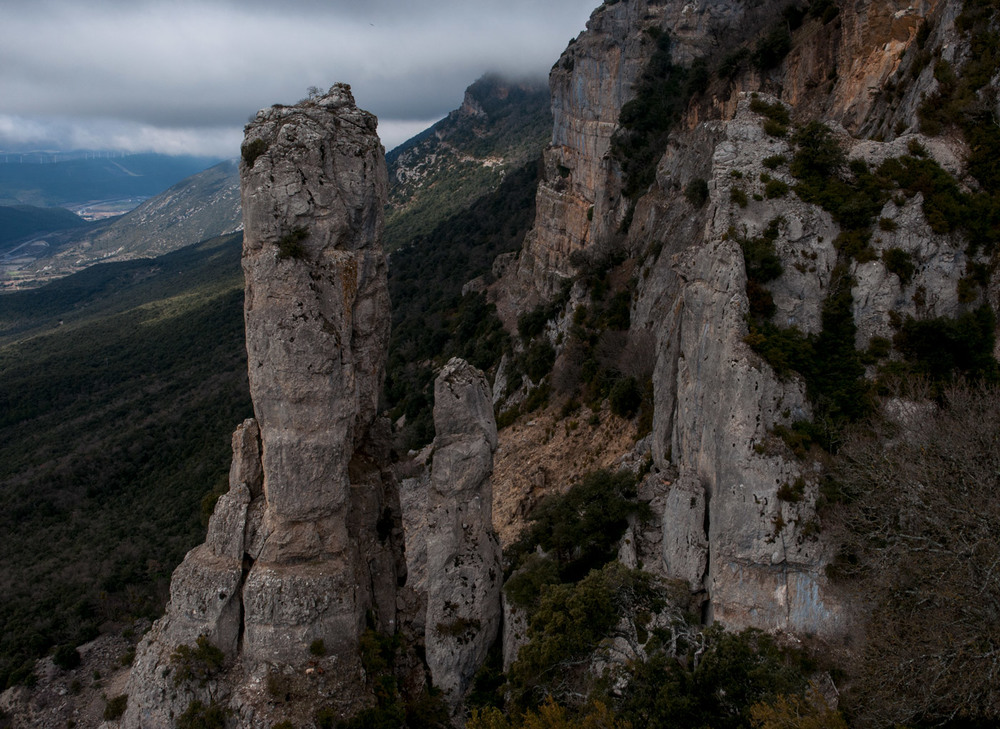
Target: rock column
(317, 318)
(464, 574)
(307, 543)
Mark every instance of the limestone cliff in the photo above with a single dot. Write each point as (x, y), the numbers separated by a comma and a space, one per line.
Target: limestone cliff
(579, 202)
(307, 542)
(464, 573)
(452, 550)
(739, 522)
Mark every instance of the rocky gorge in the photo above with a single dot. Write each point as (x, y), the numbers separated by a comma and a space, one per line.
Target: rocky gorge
(736, 511)
(754, 230)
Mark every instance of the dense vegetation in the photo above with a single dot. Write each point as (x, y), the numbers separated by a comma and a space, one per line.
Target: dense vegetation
(119, 389)
(582, 606)
(431, 320)
(20, 221)
(830, 364)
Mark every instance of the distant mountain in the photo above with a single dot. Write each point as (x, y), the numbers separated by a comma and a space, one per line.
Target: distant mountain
(500, 126)
(18, 222)
(79, 181)
(200, 207)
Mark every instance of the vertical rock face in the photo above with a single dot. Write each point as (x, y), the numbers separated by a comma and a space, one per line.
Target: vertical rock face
(317, 317)
(316, 295)
(589, 85)
(754, 555)
(727, 529)
(464, 573)
(307, 542)
(579, 206)
(205, 595)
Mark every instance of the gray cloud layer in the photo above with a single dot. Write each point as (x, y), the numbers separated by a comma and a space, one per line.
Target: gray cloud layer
(185, 76)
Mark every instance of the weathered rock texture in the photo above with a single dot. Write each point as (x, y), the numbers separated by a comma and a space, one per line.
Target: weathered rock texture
(307, 542)
(317, 316)
(725, 530)
(754, 558)
(589, 84)
(579, 205)
(464, 573)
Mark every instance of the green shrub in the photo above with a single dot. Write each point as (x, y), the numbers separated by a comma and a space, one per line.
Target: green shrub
(532, 323)
(737, 196)
(899, 262)
(774, 189)
(290, 244)
(774, 129)
(771, 50)
(318, 647)
(716, 687)
(508, 417)
(967, 289)
(792, 492)
(625, 397)
(942, 348)
(818, 154)
(66, 657)
(538, 359)
(762, 261)
(570, 621)
(854, 244)
(879, 347)
(581, 528)
(534, 572)
(199, 716)
(115, 707)
(774, 161)
(776, 112)
(198, 663)
(732, 62)
(696, 192)
(251, 151)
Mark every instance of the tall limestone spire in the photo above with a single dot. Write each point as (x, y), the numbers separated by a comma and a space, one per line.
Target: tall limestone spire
(307, 544)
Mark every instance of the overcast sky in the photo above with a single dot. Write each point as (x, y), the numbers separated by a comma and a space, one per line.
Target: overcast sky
(183, 77)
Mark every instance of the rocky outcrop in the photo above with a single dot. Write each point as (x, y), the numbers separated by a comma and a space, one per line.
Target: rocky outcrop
(729, 527)
(464, 572)
(732, 525)
(501, 125)
(579, 205)
(307, 542)
(317, 316)
(205, 597)
(589, 85)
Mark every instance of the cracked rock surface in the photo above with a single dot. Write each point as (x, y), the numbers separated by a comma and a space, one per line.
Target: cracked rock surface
(307, 543)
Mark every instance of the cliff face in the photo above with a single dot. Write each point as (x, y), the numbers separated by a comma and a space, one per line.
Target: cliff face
(739, 522)
(589, 85)
(307, 542)
(579, 202)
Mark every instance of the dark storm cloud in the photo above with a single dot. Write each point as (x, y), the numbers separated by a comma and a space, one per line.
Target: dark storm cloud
(144, 73)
